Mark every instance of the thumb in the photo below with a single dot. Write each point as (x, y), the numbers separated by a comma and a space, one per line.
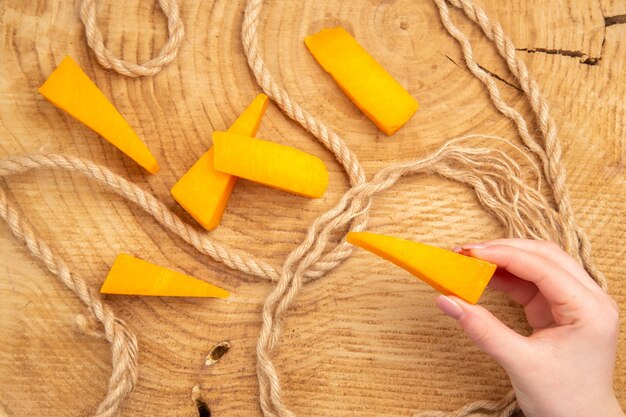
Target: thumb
(484, 329)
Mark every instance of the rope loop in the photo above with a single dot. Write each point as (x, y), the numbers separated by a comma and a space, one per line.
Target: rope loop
(167, 54)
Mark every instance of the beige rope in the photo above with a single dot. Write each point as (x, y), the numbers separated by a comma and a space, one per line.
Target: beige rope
(200, 240)
(149, 68)
(507, 406)
(494, 176)
(123, 342)
(550, 150)
(579, 246)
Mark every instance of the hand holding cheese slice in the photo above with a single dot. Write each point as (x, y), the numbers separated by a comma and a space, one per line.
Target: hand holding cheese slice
(70, 89)
(448, 272)
(133, 276)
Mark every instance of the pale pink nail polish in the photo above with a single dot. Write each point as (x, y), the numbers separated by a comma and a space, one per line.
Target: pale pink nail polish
(457, 249)
(449, 307)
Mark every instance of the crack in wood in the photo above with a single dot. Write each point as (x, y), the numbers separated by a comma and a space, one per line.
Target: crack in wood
(203, 409)
(201, 404)
(494, 75)
(585, 58)
(449, 59)
(497, 77)
(619, 19)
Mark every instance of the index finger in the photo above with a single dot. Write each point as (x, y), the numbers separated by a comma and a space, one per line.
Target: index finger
(551, 251)
(557, 285)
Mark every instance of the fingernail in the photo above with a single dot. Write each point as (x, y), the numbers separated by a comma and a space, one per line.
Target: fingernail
(449, 307)
(457, 249)
(469, 246)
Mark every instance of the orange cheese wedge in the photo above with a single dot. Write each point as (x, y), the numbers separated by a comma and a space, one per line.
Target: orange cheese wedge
(133, 276)
(71, 90)
(364, 80)
(445, 271)
(272, 164)
(203, 191)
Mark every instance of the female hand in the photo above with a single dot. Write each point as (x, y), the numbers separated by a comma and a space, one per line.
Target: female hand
(565, 368)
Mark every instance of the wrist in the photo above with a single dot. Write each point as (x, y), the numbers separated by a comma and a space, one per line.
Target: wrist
(605, 406)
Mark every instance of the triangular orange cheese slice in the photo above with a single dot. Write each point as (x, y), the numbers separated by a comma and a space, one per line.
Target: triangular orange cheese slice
(71, 90)
(133, 276)
(445, 271)
(203, 191)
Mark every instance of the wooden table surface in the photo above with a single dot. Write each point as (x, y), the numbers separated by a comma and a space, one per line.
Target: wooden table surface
(365, 339)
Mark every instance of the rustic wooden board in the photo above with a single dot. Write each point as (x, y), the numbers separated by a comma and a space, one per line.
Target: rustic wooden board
(365, 339)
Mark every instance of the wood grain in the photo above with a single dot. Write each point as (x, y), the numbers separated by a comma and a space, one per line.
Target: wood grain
(365, 339)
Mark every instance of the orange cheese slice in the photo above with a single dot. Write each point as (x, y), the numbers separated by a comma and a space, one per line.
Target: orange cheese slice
(269, 163)
(133, 276)
(445, 271)
(71, 90)
(372, 89)
(203, 191)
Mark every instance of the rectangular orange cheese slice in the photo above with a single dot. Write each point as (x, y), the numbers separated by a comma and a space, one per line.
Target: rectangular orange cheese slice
(370, 87)
(269, 163)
